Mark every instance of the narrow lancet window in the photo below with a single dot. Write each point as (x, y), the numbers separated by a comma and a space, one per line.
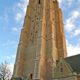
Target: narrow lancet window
(39, 1)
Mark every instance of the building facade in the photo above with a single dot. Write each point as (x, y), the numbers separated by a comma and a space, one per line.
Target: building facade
(42, 41)
(67, 68)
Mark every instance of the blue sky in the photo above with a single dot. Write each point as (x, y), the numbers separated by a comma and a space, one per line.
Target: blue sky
(12, 14)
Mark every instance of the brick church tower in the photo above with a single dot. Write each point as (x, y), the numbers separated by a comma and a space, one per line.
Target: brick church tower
(42, 40)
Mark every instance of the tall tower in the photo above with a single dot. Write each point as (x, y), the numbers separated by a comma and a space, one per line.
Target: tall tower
(42, 40)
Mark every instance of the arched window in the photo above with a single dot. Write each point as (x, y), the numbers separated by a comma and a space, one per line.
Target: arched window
(39, 1)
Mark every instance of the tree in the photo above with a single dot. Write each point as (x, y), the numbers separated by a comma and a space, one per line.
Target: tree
(5, 73)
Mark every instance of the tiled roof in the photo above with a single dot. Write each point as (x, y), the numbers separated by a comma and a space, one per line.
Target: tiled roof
(74, 62)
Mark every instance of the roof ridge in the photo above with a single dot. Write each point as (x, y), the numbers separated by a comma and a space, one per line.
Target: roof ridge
(72, 56)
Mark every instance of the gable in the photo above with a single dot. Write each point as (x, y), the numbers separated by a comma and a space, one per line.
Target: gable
(62, 69)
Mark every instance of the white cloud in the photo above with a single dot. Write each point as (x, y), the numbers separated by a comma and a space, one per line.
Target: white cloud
(11, 67)
(76, 32)
(70, 2)
(18, 16)
(72, 50)
(70, 24)
(16, 29)
(22, 6)
(60, 1)
(65, 3)
(75, 14)
(11, 57)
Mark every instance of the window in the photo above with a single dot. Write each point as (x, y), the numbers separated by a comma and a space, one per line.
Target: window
(31, 33)
(57, 61)
(39, 2)
(61, 69)
(37, 18)
(36, 31)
